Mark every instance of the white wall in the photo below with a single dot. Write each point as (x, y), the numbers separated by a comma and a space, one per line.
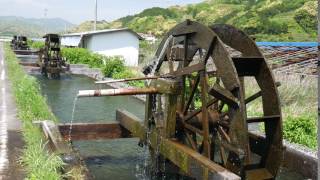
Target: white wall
(70, 40)
(121, 43)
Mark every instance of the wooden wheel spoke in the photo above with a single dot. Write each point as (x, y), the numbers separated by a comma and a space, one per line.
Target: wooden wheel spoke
(188, 70)
(196, 112)
(209, 51)
(224, 95)
(190, 140)
(194, 89)
(257, 95)
(223, 155)
(224, 134)
(213, 147)
(193, 129)
(204, 109)
(170, 62)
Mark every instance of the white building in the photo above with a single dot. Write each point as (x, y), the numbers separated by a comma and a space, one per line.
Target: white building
(110, 42)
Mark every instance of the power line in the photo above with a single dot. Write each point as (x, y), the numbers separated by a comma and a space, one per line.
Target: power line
(95, 15)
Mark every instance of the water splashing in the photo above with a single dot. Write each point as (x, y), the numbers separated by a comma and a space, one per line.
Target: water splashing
(72, 118)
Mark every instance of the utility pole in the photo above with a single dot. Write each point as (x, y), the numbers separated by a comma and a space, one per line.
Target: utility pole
(95, 15)
(45, 18)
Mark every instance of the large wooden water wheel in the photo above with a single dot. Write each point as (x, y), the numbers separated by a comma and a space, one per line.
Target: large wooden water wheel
(209, 113)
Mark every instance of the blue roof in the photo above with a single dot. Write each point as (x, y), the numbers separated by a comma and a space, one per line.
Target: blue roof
(297, 44)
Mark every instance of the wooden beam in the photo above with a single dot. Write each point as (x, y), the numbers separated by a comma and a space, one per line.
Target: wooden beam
(257, 95)
(263, 119)
(224, 95)
(90, 131)
(188, 160)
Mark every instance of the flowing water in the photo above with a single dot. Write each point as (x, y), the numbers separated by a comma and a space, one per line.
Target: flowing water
(120, 159)
(72, 118)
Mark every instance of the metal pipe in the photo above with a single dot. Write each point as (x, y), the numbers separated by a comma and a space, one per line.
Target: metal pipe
(116, 92)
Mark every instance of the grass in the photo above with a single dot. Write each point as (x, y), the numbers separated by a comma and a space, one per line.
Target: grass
(38, 162)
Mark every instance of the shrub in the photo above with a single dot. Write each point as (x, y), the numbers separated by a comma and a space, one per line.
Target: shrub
(274, 27)
(113, 66)
(302, 130)
(83, 56)
(266, 26)
(35, 44)
(306, 20)
(126, 73)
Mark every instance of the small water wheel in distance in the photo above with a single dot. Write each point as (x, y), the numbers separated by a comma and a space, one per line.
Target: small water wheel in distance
(51, 61)
(209, 114)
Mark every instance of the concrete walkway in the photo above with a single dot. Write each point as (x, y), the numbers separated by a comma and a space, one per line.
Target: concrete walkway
(11, 142)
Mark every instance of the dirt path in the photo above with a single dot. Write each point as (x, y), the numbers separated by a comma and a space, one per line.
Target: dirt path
(11, 142)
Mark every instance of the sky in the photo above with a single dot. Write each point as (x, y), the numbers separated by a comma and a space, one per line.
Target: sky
(77, 11)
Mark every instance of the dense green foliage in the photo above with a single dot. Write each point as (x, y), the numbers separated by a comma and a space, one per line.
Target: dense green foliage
(112, 67)
(35, 44)
(108, 65)
(301, 130)
(128, 73)
(267, 20)
(83, 56)
(306, 20)
(32, 107)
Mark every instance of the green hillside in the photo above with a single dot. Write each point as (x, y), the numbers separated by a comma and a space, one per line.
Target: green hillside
(267, 20)
(31, 27)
